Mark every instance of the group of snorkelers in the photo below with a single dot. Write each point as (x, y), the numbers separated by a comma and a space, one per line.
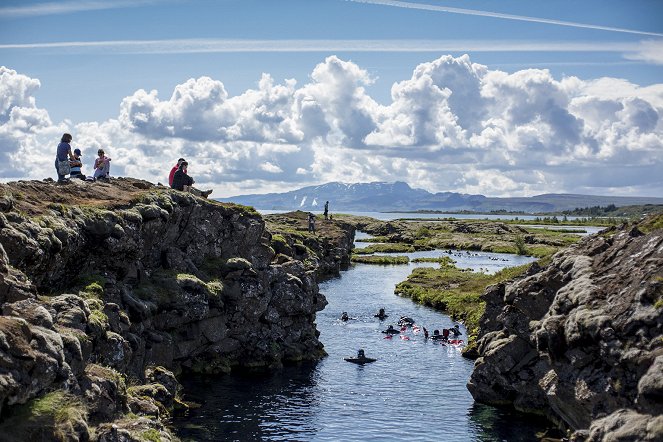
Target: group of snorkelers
(405, 321)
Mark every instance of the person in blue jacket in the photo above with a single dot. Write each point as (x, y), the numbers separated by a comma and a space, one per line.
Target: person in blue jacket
(62, 157)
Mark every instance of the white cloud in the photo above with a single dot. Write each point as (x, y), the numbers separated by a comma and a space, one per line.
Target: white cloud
(650, 51)
(454, 125)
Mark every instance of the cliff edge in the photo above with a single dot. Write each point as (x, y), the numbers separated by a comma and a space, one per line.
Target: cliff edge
(581, 340)
(109, 289)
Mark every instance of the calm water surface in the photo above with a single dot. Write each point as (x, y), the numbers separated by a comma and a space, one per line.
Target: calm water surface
(415, 391)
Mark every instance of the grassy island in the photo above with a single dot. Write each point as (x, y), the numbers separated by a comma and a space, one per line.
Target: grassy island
(448, 288)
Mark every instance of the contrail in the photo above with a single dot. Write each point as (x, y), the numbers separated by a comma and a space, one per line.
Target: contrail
(174, 46)
(425, 7)
(53, 8)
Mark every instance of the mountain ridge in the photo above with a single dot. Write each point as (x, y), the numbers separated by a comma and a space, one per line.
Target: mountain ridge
(381, 196)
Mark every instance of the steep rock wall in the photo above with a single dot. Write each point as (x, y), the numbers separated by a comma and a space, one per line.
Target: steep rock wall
(580, 341)
(92, 295)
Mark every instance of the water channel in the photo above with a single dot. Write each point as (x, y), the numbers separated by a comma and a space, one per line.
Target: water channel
(415, 391)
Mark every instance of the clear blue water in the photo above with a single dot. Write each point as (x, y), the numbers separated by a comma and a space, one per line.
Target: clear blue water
(415, 391)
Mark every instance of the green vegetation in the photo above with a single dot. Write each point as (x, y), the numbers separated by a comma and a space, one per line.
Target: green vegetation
(612, 211)
(455, 291)
(442, 260)
(55, 416)
(384, 248)
(380, 259)
(520, 245)
(652, 223)
(150, 435)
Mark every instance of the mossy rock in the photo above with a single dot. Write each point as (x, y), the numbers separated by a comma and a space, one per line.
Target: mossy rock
(55, 416)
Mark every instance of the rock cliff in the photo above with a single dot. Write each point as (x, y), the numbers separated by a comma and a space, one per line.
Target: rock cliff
(107, 289)
(581, 339)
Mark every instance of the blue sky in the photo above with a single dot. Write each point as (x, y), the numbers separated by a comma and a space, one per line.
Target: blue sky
(81, 66)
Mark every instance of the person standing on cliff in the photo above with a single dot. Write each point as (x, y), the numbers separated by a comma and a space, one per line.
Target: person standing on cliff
(326, 210)
(311, 223)
(62, 157)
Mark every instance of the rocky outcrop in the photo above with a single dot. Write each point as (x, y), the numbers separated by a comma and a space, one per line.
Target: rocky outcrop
(581, 340)
(327, 249)
(137, 288)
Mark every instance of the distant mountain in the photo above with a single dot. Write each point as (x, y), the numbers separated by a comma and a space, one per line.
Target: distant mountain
(399, 196)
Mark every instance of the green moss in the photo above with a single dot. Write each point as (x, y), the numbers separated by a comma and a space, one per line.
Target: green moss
(442, 260)
(385, 248)
(98, 318)
(455, 291)
(652, 223)
(111, 374)
(54, 416)
(151, 435)
(378, 259)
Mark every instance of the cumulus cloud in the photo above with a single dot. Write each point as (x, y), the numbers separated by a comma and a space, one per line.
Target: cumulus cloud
(453, 125)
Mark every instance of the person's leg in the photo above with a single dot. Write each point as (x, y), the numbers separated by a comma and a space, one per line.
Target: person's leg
(57, 170)
(196, 192)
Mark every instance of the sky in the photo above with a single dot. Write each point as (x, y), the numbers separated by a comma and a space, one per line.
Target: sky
(500, 98)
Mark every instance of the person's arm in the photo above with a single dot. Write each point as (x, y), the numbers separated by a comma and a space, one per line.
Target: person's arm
(71, 155)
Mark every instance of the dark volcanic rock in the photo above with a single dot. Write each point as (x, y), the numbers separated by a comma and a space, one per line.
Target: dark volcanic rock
(580, 341)
(94, 294)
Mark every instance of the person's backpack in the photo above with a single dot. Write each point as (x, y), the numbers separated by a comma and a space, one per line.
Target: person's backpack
(64, 168)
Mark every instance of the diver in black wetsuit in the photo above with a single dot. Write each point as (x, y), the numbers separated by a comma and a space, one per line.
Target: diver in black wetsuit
(381, 314)
(405, 321)
(391, 330)
(344, 316)
(455, 330)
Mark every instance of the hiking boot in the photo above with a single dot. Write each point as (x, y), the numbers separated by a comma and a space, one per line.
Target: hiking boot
(206, 193)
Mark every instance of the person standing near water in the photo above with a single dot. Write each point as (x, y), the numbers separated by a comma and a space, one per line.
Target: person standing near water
(326, 210)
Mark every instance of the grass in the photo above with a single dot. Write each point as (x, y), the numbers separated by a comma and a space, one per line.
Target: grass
(384, 248)
(652, 223)
(442, 260)
(379, 259)
(54, 416)
(455, 291)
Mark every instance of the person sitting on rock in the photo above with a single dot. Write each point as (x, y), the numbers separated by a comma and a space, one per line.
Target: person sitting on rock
(173, 170)
(456, 331)
(76, 165)
(102, 166)
(381, 314)
(391, 330)
(183, 182)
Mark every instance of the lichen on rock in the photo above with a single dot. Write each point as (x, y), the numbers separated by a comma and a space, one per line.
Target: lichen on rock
(580, 340)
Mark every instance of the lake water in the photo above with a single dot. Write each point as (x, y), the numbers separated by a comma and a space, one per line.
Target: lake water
(388, 216)
(415, 391)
